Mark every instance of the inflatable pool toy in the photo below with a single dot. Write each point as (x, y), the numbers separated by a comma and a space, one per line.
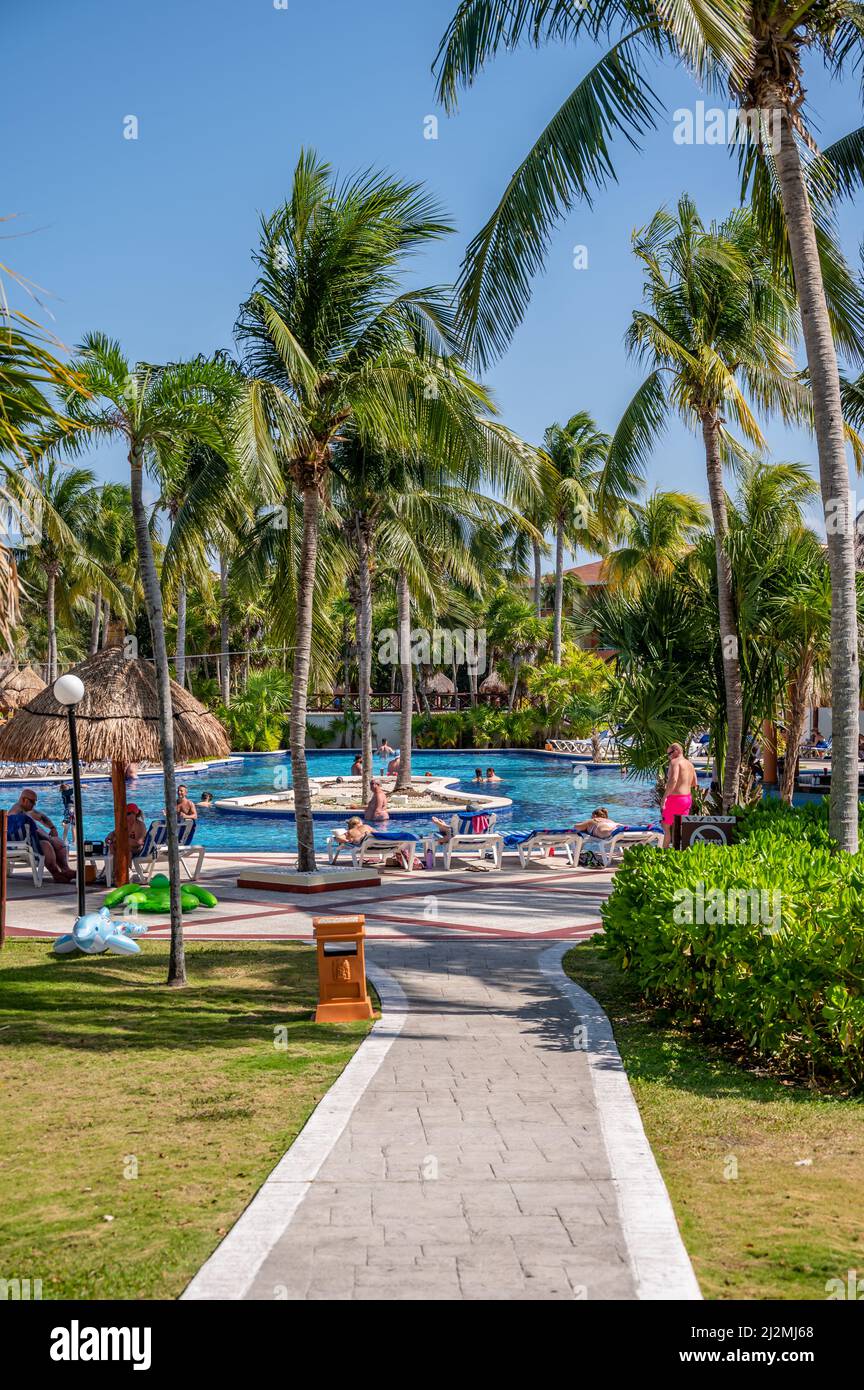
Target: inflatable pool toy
(97, 932)
(155, 896)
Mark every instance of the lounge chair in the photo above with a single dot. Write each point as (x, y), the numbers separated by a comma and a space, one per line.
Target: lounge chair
(545, 841)
(335, 848)
(469, 843)
(20, 849)
(383, 843)
(155, 848)
(625, 836)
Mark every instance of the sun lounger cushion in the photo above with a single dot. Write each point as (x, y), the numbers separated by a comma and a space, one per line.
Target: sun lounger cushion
(395, 836)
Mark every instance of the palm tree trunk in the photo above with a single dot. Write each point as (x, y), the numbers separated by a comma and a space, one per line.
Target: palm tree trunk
(364, 652)
(51, 618)
(94, 623)
(559, 593)
(224, 632)
(834, 476)
(106, 621)
(726, 611)
(180, 649)
(300, 685)
(799, 699)
(153, 604)
(517, 662)
(538, 579)
(403, 599)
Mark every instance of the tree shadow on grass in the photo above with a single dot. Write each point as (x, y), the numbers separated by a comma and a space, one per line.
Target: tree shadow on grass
(105, 1003)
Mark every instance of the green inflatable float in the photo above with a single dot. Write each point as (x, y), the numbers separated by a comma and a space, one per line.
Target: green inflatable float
(155, 896)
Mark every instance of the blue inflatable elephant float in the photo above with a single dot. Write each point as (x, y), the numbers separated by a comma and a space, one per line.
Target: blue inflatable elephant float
(97, 932)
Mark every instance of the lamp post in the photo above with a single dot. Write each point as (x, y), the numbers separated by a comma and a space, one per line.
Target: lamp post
(69, 691)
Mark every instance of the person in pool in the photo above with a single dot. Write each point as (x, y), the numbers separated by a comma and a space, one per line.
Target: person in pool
(681, 782)
(492, 775)
(186, 809)
(478, 775)
(206, 799)
(357, 766)
(377, 808)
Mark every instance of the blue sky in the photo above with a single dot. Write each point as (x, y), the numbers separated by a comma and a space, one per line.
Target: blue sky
(150, 239)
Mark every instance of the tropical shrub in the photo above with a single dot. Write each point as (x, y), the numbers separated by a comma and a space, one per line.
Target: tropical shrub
(255, 719)
(480, 727)
(761, 943)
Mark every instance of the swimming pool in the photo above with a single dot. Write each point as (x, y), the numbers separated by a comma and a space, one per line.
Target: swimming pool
(545, 792)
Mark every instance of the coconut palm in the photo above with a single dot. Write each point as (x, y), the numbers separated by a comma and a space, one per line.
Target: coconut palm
(758, 50)
(714, 333)
(156, 412)
(331, 339)
(657, 532)
(574, 460)
(111, 542)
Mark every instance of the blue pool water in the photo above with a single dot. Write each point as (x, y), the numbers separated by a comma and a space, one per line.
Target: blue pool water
(545, 792)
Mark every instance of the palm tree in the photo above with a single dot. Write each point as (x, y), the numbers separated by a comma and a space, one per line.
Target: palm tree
(714, 331)
(656, 533)
(68, 502)
(155, 411)
(332, 341)
(758, 49)
(111, 542)
(575, 459)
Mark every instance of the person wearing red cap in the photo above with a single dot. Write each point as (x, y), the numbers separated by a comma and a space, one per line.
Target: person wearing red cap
(136, 829)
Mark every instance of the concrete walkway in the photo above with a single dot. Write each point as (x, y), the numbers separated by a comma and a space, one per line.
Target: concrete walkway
(474, 1164)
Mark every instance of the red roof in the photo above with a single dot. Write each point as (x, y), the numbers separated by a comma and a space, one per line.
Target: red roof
(590, 573)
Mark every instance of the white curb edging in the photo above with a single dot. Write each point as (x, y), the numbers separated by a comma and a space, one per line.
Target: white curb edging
(659, 1261)
(231, 1270)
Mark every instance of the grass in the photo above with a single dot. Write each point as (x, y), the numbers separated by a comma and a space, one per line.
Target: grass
(161, 1109)
(790, 1220)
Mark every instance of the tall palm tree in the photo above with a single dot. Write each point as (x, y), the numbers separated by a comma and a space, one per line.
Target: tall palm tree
(111, 542)
(155, 411)
(332, 340)
(656, 533)
(758, 50)
(574, 457)
(714, 331)
(68, 504)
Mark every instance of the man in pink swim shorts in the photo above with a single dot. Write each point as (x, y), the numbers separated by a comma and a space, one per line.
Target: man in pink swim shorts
(680, 785)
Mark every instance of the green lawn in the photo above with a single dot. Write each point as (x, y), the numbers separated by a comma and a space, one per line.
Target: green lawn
(104, 1072)
(785, 1225)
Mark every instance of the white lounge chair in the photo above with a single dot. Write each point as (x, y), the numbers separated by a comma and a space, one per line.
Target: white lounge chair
(22, 851)
(470, 844)
(546, 840)
(379, 847)
(615, 845)
(155, 848)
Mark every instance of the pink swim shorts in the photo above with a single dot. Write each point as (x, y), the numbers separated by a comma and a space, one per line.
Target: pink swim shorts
(676, 806)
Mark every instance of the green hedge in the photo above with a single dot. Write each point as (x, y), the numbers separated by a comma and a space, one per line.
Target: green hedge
(705, 933)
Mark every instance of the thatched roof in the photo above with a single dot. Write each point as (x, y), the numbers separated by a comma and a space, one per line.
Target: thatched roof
(117, 719)
(17, 688)
(438, 684)
(494, 684)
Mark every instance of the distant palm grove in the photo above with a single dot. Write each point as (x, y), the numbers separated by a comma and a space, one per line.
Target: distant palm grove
(341, 472)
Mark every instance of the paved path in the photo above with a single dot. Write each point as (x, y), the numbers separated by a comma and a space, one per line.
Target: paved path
(473, 1166)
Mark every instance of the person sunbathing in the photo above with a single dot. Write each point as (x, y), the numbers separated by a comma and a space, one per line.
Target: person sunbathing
(43, 833)
(135, 827)
(445, 830)
(355, 832)
(601, 826)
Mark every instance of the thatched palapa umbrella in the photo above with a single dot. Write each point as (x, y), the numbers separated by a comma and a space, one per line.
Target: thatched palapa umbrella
(118, 722)
(494, 684)
(18, 688)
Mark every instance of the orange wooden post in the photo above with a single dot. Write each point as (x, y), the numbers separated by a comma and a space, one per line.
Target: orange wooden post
(769, 753)
(3, 868)
(122, 859)
(342, 994)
